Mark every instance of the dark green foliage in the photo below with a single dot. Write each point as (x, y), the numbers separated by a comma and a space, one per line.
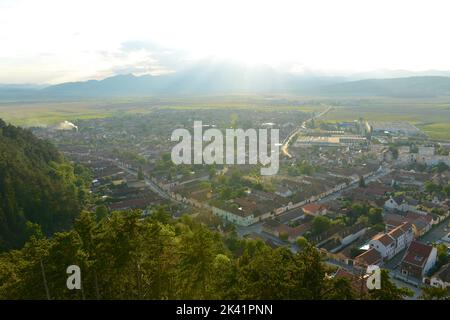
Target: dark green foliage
(36, 185)
(125, 257)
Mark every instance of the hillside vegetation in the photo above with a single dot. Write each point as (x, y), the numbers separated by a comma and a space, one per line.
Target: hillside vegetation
(125, 257)
(37, 186)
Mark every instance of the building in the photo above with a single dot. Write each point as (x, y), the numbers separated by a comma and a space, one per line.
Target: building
(396, 128)
(441, 278)
(283, 191)
(369, 257)
(279, 230)
(315, 209)
(418, 260)
(358, 282)
(421, 223)
(234, 215)
(397, 204)
(391, 243)
(335, 140)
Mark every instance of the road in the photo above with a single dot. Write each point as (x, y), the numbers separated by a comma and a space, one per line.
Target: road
(436, 233)
(287, 140)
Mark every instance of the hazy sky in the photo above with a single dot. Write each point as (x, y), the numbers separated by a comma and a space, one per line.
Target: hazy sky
(50, 41)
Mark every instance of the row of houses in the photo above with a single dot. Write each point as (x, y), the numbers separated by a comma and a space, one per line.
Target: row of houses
(425, 155)
(418, 261)
(386, 245)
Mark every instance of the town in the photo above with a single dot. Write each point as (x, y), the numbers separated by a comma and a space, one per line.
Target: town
(363, 192)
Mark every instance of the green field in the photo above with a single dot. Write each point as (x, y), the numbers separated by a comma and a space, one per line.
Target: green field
(431, 116)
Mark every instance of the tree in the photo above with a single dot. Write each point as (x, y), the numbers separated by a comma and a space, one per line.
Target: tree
(127, 257)
(101, 212)
(36, 184)
(197, 252)
(442, 254)
(283, 235)
(388, 290)
(375, 216)
(302, 242)
(446, 190)
(362, 182)
(320, 224)
(441, 167)
(140, 174)
(435, 293)
(431, 187)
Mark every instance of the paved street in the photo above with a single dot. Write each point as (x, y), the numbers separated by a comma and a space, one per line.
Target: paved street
(287, 141)
(436, 233)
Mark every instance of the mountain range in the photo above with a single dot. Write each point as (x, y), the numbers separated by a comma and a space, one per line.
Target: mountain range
(230, 79)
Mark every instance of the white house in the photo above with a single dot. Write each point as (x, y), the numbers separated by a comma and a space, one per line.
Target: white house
(391, 243)
(235, 217)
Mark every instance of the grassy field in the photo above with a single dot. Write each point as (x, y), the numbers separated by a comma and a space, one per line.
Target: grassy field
(431, 116)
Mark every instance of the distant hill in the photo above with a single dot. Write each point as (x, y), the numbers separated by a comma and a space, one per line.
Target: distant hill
(36, 185)
(209, 79)
(410, 87)
(197, 80)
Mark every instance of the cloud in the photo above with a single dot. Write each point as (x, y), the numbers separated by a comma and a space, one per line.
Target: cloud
(171, 58)
(141, 57)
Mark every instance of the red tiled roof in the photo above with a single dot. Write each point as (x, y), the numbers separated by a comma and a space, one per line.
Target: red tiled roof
(384, 238)
(417, 254)
(294, 232)
(411, 216)
(313, 207)
(357, 283)
(369, 257)
(397, 232)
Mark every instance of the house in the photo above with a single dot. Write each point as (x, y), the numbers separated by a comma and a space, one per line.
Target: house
(393, 220)
(442, 277)
(271, 227)
(344, 237)
(391, 243)
(384, 244)
(133, 204)
(421, 223)
(396, 204)
(277, 229)
(418, 260)
(283, 191)
(291, 215)
(369, 257)
(315, 209)
(234, 215)
(357, 282)
(293, 233)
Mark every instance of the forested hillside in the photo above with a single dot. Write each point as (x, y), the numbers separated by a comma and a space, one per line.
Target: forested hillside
(36, 186)
(125, 257)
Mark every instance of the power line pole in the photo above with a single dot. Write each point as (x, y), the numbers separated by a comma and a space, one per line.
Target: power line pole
(47, 292)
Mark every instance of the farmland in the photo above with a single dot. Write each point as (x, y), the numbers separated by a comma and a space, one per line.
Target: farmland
(430, 115)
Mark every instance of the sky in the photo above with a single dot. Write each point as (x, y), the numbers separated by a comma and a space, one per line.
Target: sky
(53, 41)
